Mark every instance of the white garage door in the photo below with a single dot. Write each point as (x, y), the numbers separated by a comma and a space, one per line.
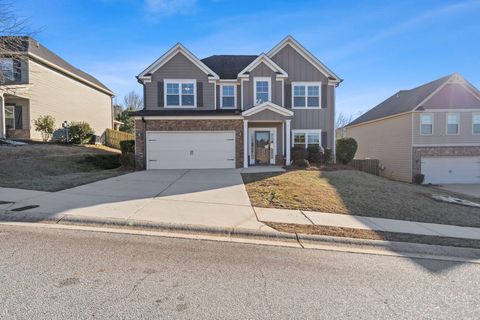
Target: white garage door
(438, 170)
(190, 150)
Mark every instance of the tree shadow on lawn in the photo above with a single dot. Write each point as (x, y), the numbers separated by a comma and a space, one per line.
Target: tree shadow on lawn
(356, 193)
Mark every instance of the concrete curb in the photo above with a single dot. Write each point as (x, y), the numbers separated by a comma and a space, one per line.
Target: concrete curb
(304, 240)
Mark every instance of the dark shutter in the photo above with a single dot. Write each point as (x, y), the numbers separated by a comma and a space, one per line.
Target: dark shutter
(199, 94)
(324, 139)
(217, 96)
(161, 103)
(18, 117)
(324, 96)
(288, 96)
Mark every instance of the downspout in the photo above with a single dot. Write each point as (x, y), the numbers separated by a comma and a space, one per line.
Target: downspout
(3, 133)
(144, 142)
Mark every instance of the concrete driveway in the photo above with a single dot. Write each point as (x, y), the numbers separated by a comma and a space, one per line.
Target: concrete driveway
(198, 197)
(472, 190)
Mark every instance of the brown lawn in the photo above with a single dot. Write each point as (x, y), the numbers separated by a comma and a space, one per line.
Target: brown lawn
(356, 193)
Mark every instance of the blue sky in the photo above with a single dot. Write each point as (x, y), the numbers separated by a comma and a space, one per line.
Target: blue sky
(377, 47)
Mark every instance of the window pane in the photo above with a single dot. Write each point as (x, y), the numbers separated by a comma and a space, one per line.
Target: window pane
(299, 101)
(426, 129)
(228, 102)
(313, 91)
(452, 128)
(262, 86)
(426, 119)
(298, 91)
(452, 119)
(313, 138)
(261, 97)
(313, 101)
(188, 100)
(187, 88)
(173, 100)
(476, 118)
(172, 88)
(476, 128)
(228, 91)
(299, 138)
(9, 117)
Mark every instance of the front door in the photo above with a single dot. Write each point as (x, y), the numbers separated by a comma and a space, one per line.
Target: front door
(262, 147)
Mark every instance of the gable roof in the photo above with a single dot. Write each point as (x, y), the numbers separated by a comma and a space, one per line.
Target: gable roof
(263, 58)
(38, 51)
(402, 101)
(176, 49)
(268, 106)
(228, 66)
(289, 40)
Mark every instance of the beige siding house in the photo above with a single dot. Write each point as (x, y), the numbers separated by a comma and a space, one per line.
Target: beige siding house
(42, 83)
(432, 130)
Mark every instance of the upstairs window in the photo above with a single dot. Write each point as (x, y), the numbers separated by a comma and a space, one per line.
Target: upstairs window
(228, 96)
(180, 93)
(476, 123)
(306, 95)
(426, 124)
(262, 90)
(6, 69)
(453, 123)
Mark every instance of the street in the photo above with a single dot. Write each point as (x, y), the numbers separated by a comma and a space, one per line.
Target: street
(65, 274)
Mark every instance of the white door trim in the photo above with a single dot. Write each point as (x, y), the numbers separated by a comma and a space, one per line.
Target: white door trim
(251, 148)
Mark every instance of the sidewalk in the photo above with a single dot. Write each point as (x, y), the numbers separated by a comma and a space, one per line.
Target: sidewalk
(365, 223)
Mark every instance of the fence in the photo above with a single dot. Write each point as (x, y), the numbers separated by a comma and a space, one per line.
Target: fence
(371, 166)
(113, 138)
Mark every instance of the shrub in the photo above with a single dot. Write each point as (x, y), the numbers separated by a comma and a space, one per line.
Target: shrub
(327, 156)
(419, 178)
(346, 148)
(314, 153)
(80, 132)
(127, 160)
(104, 161)
(45, 125)
(298, 153)
(127, 146)
(301, 163)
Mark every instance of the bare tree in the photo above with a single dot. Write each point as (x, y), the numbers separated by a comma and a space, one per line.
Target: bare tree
(342, 121)
(132, 101)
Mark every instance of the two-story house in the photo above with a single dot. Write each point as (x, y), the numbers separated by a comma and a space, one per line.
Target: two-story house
(433, 129)
(35, 82)
(234, 111)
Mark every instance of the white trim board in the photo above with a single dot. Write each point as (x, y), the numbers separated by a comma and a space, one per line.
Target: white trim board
(268, 62)
(179, 117)
(268, 106)
(178, 48)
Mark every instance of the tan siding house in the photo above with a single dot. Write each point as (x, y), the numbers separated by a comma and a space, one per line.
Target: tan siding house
(50, 86)
(432, 131)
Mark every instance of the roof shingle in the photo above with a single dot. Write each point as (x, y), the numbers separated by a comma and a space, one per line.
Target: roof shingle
(228, 66)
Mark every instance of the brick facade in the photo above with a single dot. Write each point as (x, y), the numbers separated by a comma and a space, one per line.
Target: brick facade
(419, 152)
(187, 125)
(21, 134)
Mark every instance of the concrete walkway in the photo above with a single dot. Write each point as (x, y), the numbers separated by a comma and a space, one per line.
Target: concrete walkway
(365, 223)
(202, 198)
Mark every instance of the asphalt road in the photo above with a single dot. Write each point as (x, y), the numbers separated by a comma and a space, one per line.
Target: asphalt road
(64, 274)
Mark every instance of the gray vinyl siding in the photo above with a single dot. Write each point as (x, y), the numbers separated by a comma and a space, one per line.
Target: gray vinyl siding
(179, 67)
(439, 136)
(261, 70)
(300, 70)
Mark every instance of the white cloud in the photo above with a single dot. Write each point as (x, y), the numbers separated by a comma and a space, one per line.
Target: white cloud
(170, 7)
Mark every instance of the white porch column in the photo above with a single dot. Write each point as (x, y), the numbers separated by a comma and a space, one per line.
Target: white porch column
(245, 143)
(3, 131)
(288, 137)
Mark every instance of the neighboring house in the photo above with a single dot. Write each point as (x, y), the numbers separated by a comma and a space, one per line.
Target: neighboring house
(433, 129)
(228, 111)
(38, 82)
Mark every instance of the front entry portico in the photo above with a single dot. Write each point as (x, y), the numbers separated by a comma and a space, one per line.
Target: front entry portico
(266, 135)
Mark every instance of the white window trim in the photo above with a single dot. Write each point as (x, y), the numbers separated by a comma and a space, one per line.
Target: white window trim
(306, 132)
(433, 124)
(180, 82)
(13, 112)
(234, 95)
(473, 115)
(446, 124)
(308, 83)
(269, 80)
